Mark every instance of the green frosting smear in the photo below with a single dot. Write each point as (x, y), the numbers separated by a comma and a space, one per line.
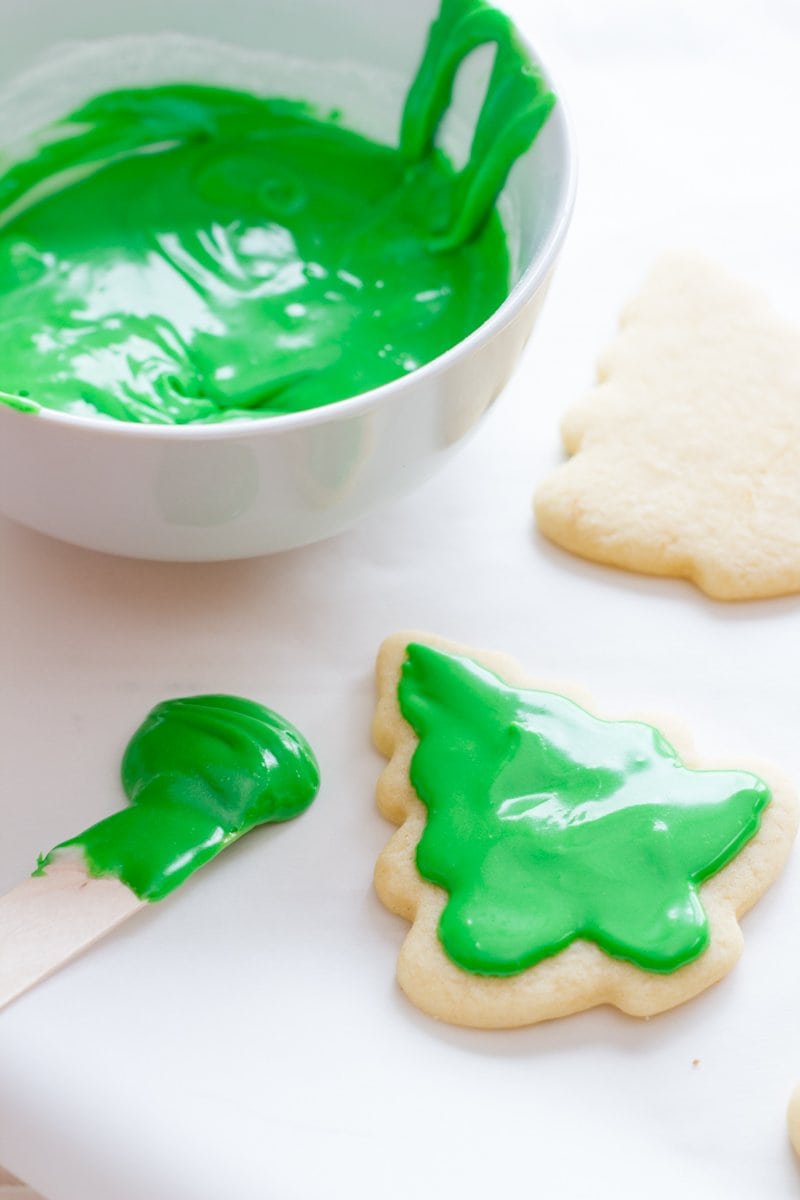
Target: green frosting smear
(514, 110)
(546, 824)
(199, 773)
(187, 253)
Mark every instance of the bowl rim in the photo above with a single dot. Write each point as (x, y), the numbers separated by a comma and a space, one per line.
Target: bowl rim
(529, 282)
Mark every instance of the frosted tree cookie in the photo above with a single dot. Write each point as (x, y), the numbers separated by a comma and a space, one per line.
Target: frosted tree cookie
(686, 455)
(549, 859)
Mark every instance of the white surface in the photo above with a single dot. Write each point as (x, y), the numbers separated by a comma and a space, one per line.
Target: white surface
(225, 491)
(246, 1038)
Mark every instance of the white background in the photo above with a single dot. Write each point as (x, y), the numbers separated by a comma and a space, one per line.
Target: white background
(245, 1040)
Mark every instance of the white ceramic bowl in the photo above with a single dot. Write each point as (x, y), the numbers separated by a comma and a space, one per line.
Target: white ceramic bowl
(256, 486)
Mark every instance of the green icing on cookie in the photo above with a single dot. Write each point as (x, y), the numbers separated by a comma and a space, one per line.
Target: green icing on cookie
(199, 773)
(546, 824)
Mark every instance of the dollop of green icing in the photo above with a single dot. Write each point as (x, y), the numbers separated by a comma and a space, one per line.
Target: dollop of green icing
(199, 773)
(194, 254)
(546, 824)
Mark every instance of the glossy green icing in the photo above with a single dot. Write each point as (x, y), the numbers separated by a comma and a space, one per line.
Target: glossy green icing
(199, 773)
(546, 824)
(193, 254)
(514, 110)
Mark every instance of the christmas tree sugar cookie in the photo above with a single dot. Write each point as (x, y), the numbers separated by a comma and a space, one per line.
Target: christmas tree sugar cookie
(686, 455)
(793, 1120)
(550, 859)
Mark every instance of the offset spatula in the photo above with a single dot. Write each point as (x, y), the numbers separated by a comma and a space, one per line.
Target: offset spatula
(199, 773)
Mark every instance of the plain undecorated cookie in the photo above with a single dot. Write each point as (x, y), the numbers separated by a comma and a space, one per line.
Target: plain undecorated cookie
(793, 1120)
(581, 975)
(686, 455)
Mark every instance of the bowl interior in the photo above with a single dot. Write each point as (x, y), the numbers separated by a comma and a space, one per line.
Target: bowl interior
(355, 56)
